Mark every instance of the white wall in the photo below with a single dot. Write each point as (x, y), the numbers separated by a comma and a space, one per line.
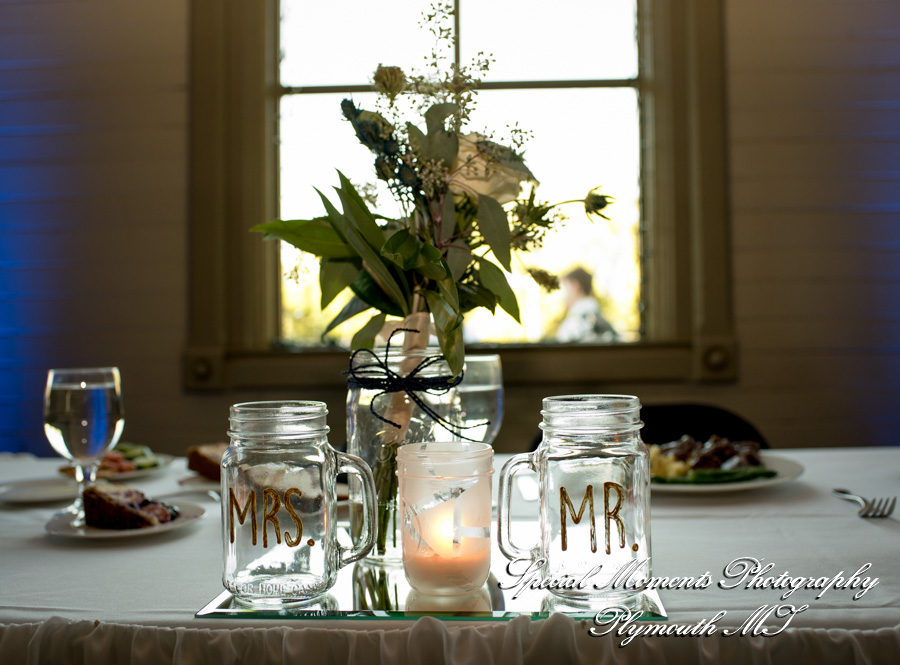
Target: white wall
(814, 111)
(93, 191)
(93, 223)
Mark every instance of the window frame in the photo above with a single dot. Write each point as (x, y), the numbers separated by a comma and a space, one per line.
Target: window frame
(235, 277)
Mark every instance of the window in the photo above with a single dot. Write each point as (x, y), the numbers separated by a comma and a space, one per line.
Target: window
(235, 298)
(568, 73)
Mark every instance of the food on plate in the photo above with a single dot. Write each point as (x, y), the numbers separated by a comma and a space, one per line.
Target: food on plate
(718, 460)
(207, 459)
(124, 458)
(141, 456)
(112, 506)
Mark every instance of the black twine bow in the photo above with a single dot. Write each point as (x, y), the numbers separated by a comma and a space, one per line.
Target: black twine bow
(388, 381)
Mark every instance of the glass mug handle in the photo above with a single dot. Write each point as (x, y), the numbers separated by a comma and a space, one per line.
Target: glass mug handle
(353, 464)
(504, 508)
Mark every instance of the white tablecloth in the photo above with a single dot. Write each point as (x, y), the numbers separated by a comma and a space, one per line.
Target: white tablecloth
(134, 600)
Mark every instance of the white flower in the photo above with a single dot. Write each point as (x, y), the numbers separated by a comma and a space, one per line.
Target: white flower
(485, 167)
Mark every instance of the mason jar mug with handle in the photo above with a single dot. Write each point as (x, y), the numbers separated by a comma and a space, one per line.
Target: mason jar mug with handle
(594, 476)
(279, 504)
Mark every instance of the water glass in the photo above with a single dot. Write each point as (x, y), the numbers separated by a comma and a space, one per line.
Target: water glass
(481, 397)
(83, 420)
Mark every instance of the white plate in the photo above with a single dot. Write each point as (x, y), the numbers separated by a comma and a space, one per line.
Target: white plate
(188, 513)
(164, 462)
(786, 469)
(199, 482)
(39, 490)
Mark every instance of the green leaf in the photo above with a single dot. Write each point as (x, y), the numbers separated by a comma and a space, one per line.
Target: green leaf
(367, 289)
(431, 263)
(316, 236)
(401, 278)
(448, 322)
(443, 147)
(437, 114)
(475, 295)
(365, 336)
(448, 217)
(352, 308)
(458, 260)
(403, 249)
(356, 210)
(372, 260)
(445, 316)
(453, 348)
(494, 279)
(438, 143)
(447, 289)
(494, 226)
(334, 277)
(417, 138)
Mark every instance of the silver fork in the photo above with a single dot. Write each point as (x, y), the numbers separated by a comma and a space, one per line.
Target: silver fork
(875, 508)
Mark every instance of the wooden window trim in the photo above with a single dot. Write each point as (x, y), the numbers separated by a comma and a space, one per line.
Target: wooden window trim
(234, 276)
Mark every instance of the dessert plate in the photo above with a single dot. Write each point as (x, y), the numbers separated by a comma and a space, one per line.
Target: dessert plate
(39, 490)
(61, 524)
(786, 470)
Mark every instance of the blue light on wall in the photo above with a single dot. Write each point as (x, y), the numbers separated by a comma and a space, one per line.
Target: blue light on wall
(28, 182)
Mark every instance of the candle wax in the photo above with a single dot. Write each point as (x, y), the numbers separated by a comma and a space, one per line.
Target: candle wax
(448, 575)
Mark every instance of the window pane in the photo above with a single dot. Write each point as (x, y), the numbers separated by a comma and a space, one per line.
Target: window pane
(316, 140)
(582, 138)
(341, 43)
(539, 40)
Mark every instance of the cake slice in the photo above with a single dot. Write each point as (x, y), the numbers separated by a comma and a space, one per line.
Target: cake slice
(207, 459)
(112, 506)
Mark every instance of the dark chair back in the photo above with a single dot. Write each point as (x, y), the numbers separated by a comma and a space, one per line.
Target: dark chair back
(669, 422)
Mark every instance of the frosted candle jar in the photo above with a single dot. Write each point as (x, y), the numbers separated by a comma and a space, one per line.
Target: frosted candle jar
(445, 508)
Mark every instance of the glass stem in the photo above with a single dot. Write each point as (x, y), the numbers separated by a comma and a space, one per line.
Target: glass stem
(86, 475)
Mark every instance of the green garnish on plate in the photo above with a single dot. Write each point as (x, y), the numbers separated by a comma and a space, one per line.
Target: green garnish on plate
(141, 456)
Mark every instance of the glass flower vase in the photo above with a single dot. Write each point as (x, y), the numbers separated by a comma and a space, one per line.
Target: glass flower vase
(380, 420)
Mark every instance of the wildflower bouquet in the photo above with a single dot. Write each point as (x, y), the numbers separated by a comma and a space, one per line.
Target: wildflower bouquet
(464, 215)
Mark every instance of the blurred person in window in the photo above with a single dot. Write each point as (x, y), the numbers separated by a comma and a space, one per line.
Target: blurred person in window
(584, 320)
